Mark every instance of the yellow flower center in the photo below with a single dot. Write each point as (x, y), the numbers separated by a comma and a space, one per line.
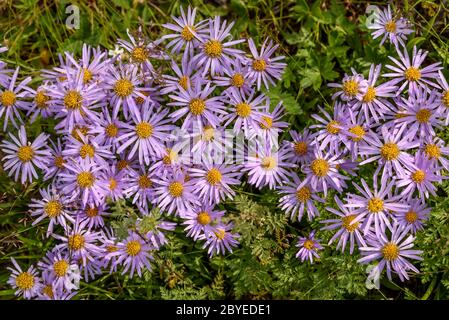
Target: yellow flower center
(91, 212)
(59, 162)
(145, 182)
(432, 151)
(332, 127)
(220, 234)
(319, 167)
(243, 109)
(412, 74)
(213, 176)
(111, 248)
(25, 153)
(133, 248)
(375, 205)
(208, 133)
(237, 80)
(390, 251)
(48, 291)
(411, 216)
(53, 208)
(423, 115)
(60, 268)
(346, 222)
(300, 148)
(389, 151)
(309, 244)
(87, 75)
(350, 88)
(187, 33)
(82, 129)
(8, 98)
(197, 106)
(25, 281)
(445, 99)
(266, 123)
(259, 65)
(112, 184)
(122, 164)
(111, 130)
(123, 88)
(418, 176)
(175, 189)
(170, 157)
(268, 163)
(184, 82)
(76, 242)
(41, 99)
(303, 194)
(144, 130)
(358, 131)
(203, 218)
(87, 150)
(139, 54)
(213, 48)
(73, 100)
(370, 95)
(85, 179)
(390, 26)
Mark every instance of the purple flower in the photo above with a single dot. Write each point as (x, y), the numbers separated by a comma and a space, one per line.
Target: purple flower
(183, 78)
(301, 149)
(40, 105)
(53, 205)
(22, 156)
(140, 187)
(118, 181)
(391, 251)
(352, 87)
(11, 99)
(146, 135)
(297, 198)
(263, 67)
(415, 217)
(201, 220)
(94, 215)
(111, 128)
(347, 230)
(434, 148)
(25, 283)
(271, 125)
(409, 71)
(236, 76)
(308, 247)
(354, 134)
(85, 180)
(86, 148)
(215, 52)
(56, 161)
(60, 267)
(220, 240)
(133, 253)
(443, 97)
(395, 29)
(92, 70)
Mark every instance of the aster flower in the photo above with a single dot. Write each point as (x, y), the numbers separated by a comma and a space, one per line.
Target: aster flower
(267, 167)
(390, 27)
(141, 187)
(183, 78)
(346, 229)
(215, 52)
(197, 105)
(11, 99)
(53, 205)
(174, 193)
(245, 111)
(108, 244)
(415, 217)
(375, 207)
(354, 134)
(201, 220)
(133, 253)
(373, 105)
(94, 215)
(40, 105)
(263, 67)
(86, 148)
(80, 242)
(59, 266)
(390, 152)
(208, 141)
(118, 181)
(22, 156)
(235, 76)
(331, 132)
(91, 269)
(308, 248)
(84, 180)
(271, 125)
(187, 32)
(154, 229)
(421, 176)
(410, 72)
(322, 172)
(300, 150)
(392, 252)
(25, 283)
(434, 149)
(443, 97)
(56, 160)
(111, 128)
(352, 87)
(147, 135)
(213, 181)
(173, 158)
(296, 199)
(220, 240)
(48, 292)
